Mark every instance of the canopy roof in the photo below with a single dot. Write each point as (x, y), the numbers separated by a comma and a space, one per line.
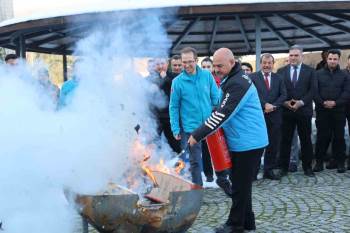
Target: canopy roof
(316, 25)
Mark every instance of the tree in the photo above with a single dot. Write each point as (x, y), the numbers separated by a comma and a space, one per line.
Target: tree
(2, 53)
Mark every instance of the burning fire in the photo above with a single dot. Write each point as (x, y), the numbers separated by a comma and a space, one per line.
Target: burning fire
(162, 167)
(147, 166)
(179, 166)
(149, 173)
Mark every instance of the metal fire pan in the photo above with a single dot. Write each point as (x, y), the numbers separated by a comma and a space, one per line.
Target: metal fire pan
(123, 213)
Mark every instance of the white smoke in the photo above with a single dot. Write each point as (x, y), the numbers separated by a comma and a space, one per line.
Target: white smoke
(86, 144)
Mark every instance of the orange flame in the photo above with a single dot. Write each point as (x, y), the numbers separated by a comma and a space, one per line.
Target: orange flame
(149, 174)
(179, 166)
(142, 157)
(162, 167)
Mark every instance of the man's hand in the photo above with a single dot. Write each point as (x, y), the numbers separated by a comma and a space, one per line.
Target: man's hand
(192, 141)
(269, 108)
(177, 136)
(162, 74)
(297, 104)
(329, 104)
(288, 104)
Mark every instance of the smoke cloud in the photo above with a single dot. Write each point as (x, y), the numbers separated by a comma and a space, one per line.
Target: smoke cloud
(86, 144)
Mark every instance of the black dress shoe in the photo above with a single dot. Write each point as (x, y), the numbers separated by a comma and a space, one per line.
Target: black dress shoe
(308, 172)
(318, 166)
(228, 229)
(293, 167)
(250, 228)
(249, 224)
(271, 175)
(223, 229)
(283, 172)
(332, 164)
(341, 168)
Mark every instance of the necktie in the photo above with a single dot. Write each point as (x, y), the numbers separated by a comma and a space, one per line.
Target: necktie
(295, 74)
(266, 78)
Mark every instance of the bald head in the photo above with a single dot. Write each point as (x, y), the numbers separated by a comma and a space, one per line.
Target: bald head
(225, 53)
(223, 62)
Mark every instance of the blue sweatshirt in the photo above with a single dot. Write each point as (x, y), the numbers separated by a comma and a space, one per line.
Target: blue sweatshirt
(192, 99)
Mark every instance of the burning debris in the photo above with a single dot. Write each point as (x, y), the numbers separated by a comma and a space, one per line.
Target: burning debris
(172, 206)
(169, 203)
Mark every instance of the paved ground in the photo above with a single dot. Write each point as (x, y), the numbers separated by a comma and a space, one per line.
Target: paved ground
(294, 204)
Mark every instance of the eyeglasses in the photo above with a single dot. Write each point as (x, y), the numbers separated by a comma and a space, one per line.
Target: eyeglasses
(188, 62)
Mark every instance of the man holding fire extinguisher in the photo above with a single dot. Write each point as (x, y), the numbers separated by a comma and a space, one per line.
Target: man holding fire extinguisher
(241, 117)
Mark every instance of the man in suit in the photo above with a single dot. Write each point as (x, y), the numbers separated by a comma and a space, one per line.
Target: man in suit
(272, 94)
(297, 109)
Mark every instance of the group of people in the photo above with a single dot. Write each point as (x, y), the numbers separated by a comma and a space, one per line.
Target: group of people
(198, 107)
(42, 76)
(259, 113)
(60, 96)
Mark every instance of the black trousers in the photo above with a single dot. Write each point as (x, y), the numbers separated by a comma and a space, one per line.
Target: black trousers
(303, 124)
(271, 151)
(164, 127)
(330, 123)
(242, 174)
(207, 166)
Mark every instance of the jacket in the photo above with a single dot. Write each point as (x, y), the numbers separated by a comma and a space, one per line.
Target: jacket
(239, 113)
(332, 85)
(303, 89)
(276, 95)
(192, 100)
(66, 93)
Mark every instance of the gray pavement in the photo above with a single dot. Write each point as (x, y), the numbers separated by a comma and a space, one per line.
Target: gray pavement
(295, 204)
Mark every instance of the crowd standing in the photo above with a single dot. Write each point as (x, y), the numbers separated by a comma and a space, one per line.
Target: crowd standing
(266, 117)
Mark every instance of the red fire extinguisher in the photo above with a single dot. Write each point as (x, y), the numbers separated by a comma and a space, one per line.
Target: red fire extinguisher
(218, 150)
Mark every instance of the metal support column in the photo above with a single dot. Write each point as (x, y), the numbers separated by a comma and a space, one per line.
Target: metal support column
(17, 49)
(65, 78)
(22, 47)
(257, 41)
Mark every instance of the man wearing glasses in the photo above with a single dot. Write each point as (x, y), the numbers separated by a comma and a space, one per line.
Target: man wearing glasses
(194, 93)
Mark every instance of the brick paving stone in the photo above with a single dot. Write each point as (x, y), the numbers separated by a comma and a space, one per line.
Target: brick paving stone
(294, 204)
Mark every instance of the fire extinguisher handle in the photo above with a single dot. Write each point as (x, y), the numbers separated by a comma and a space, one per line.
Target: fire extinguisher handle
(184, 150)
